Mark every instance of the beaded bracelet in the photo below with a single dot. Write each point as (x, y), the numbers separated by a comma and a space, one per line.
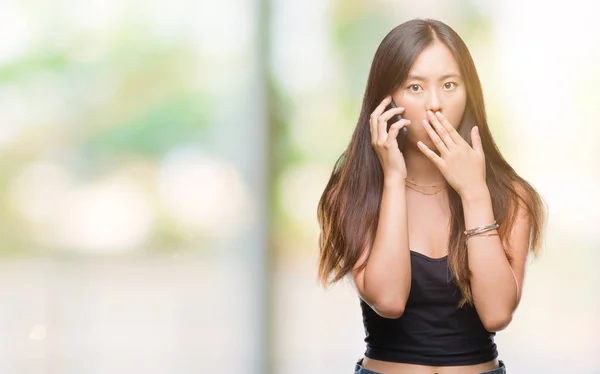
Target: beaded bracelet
(481, 229)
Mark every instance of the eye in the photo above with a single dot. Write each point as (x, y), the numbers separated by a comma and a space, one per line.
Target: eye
(412, 87)
(449, 85)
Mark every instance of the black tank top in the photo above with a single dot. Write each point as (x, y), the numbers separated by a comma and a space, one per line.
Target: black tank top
(433, 330)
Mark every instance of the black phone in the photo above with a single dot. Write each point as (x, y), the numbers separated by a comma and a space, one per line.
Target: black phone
(403, 131)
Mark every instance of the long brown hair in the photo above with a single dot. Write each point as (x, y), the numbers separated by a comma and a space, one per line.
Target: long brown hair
(348, 211)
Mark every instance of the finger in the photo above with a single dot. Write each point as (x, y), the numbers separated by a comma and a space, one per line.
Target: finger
(373, 129)
(395, 130)
(373, 118)
(476, 140)
(381, 130)
(450, 129)
(439, 144)
(381, 107)
(441, 130)
(437, 160)
(388, 114)
(382, 127)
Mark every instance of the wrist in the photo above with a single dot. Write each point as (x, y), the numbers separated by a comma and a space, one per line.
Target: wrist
(393, 181)
(475, 194)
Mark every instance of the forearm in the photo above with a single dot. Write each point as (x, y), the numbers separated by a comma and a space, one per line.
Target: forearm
(387, 275)
(492, 280)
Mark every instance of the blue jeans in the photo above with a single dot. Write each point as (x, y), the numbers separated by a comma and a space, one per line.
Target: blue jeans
(358, 369)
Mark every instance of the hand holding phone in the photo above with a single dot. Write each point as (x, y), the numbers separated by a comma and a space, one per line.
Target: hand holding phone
(389, 154)
(403, 131)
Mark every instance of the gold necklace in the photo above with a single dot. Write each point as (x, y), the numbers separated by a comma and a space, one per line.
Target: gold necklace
(412, 186)
(422, 185)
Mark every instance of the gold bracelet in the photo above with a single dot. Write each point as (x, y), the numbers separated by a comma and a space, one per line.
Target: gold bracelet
(481, 229)
(490, 234)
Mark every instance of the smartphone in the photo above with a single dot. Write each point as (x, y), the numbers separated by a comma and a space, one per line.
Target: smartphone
(403, 131)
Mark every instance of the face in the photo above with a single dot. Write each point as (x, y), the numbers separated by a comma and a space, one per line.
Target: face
(434, 83)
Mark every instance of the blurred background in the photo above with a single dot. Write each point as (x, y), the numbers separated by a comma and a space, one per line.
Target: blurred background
(161, 163)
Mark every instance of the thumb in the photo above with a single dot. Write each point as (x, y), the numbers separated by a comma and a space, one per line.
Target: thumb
(395, 129)
(392, 139)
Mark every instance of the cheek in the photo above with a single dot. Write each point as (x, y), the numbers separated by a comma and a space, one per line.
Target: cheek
(417, 132)
(416, 129)
(415, 113)
(413, 110)
(454, 118)
(457, 110)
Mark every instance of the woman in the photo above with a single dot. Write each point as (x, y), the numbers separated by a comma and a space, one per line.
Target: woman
(436, 236)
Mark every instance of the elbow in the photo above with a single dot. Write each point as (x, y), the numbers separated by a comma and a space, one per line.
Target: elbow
(496, 322)
(390, 310)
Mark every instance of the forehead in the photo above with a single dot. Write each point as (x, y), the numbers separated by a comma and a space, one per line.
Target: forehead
(434, 61)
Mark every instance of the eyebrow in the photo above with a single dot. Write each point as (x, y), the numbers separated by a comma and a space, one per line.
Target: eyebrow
(443, 77)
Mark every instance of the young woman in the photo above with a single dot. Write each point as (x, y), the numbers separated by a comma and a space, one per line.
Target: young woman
(435, 236)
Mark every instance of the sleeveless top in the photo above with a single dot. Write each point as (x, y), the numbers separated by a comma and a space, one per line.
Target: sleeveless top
(433, 330)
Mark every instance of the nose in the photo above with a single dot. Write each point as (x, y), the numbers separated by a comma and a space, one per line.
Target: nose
(433, 102)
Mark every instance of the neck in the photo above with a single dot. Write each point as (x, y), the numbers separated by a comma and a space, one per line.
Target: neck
(420, 170)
